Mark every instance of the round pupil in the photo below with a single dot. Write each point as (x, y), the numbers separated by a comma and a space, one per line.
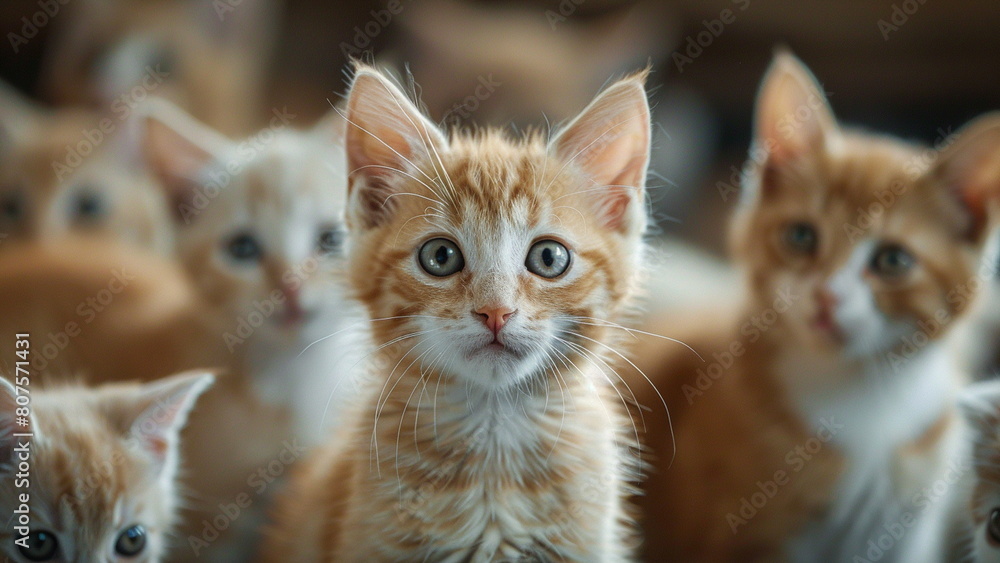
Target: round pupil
(442, 255)
(11, 208)
(548, 257)
(88, 205)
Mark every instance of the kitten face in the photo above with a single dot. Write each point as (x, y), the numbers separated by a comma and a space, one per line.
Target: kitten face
(502, 256)
(259, 224)
(104, 194)
(103, 464)
(855, 235)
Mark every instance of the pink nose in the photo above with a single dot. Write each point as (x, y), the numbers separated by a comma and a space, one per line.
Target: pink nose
(494, 317)
(826, 299)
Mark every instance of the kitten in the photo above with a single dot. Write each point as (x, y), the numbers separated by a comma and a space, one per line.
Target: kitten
(494, 271)
(823, 405)
(69, 171)
(102, 469)
(209, 57)
(260, 230)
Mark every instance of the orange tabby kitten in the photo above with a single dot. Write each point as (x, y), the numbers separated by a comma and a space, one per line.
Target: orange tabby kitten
(210, 57)
(102, 466)
(823, 406)
(494, 271)
(72, 171)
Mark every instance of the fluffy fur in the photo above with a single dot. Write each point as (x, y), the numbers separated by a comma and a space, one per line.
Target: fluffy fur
(61, 173)
(858, 253)
(490, 430)
(103, 461)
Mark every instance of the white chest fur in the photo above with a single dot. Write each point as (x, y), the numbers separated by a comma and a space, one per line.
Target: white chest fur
(882, 405)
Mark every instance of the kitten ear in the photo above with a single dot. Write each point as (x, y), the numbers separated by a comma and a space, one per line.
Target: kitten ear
(178, 149)
(970, 169)
(159, 411)
(609, 141)
(387, 139)
(793, 116)
(18, 116)
(8, 420)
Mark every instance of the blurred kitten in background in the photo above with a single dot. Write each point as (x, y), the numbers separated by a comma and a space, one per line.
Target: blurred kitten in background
(209, 57)
(839, 348)
(260, 230)
(71, 171)
(103, 469)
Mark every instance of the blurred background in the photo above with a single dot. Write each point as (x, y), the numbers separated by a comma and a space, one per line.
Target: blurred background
(918, 68)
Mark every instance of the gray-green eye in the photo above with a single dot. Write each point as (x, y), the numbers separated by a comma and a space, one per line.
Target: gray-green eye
(40, 545)
(88, 205)
(131, 541)
(548, 258)
(329, 241)
(441, 257)
(244, 248)
(801, 238)
(892, 261)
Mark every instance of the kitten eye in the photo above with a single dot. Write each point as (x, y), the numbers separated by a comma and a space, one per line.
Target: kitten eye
(88, 205)
(330, 240)
(548, 259)
(993, 528)
(11, 207)
(801, 238)
(42, 545)
(892, 261)
(131, 542)
(244, 247)
(440, 257)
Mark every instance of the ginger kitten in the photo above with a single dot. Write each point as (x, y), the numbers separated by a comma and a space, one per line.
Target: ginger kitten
(70, 171)
(103, 467)
(494, 271)
(825, 404)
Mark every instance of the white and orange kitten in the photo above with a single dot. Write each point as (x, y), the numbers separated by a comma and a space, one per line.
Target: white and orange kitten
(102, 468)
(70, 171)
(495, 270)
(260, 228)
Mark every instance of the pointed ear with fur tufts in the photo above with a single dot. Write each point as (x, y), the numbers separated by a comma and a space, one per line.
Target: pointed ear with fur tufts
(792, 116)
(387, 140)
(609, 142)
(178, 149)
(969, 168)
(154, 416)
